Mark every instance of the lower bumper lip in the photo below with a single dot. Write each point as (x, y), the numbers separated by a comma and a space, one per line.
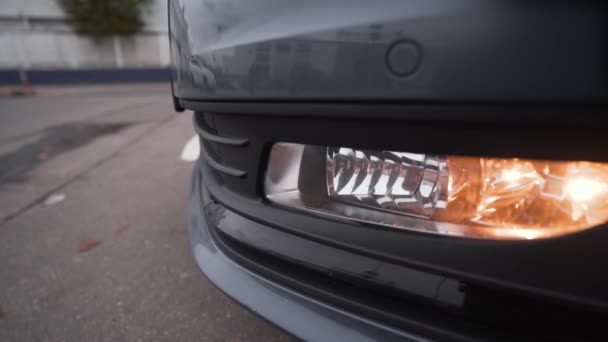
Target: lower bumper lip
(300, 315)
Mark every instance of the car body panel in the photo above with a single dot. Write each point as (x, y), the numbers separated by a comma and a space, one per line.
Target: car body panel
(304, 317)
(389, 50)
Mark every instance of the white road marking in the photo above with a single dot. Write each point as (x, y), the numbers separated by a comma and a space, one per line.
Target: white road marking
(191, 150)
(54, 199)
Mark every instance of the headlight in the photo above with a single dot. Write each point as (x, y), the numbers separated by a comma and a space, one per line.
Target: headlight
(454, 195)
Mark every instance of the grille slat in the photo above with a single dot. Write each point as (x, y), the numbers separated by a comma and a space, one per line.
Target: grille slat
(208, 137)
(205, 132)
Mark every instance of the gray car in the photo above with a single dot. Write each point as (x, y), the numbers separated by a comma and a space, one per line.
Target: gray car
(400, 169)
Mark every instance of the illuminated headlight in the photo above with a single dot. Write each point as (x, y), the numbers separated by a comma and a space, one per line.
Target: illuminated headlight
(452, 195)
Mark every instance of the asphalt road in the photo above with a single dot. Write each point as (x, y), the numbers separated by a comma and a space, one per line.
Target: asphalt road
(93, 242)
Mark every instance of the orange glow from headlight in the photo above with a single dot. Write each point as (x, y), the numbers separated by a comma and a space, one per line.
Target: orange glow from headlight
(582, 189)
(543, 195)
(495, 198)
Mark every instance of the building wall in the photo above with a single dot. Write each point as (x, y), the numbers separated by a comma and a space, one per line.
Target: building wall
(34, 35)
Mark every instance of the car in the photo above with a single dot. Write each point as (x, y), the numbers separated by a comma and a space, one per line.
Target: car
(401, 169)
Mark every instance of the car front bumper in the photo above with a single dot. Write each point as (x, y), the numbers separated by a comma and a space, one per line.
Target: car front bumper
(296, 313)
(381, 283)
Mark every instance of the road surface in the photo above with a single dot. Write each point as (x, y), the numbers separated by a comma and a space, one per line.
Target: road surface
(93, 241)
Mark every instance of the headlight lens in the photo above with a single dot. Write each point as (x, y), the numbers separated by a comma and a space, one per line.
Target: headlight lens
(466, 196)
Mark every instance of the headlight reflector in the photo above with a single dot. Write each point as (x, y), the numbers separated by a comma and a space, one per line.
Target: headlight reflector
(466, 196)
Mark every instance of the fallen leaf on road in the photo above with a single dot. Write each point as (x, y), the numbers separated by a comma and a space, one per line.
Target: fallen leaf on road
(87, 245)
(15, 170)
(122, 229)
(54, 199)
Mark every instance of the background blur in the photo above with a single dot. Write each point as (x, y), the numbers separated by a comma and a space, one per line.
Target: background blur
(94, 175)
(35, 36)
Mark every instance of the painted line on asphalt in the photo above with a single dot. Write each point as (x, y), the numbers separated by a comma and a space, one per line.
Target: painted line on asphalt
(191, 150)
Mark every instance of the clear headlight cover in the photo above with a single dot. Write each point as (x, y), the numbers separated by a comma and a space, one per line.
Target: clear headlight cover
(466, 196)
